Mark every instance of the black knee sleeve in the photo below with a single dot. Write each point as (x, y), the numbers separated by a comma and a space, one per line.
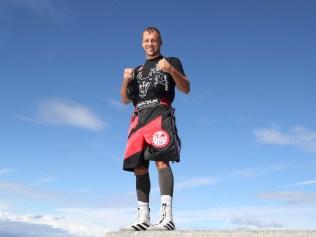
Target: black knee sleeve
(143, 187)
(166, 182)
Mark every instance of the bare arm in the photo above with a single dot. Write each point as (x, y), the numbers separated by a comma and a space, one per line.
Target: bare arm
(127, 76)
(182, 82)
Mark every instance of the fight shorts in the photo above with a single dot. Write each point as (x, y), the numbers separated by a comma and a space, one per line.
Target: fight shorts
(152, 135)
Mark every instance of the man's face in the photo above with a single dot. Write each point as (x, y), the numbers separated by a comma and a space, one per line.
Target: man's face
(151, 44)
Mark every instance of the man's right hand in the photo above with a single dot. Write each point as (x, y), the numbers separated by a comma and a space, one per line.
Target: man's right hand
(128, 74)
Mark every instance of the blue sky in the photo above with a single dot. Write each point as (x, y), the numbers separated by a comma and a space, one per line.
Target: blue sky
(248, 126)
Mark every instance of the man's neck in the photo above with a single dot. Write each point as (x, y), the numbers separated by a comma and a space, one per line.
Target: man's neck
(149, 57)
(153, 57)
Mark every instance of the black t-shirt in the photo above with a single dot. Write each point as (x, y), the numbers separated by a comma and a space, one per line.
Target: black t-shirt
(150, 83)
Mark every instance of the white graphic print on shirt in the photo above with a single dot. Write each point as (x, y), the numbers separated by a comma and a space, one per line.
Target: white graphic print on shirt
(154, 77)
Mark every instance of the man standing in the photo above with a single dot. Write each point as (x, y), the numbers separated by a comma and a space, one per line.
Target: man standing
(152, 134)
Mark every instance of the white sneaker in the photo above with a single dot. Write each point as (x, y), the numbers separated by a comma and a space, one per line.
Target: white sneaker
(166, 221)
(142, 221)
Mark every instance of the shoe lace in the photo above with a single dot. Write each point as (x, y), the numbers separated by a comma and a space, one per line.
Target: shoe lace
(137, 217)
(142, 216)
(162, 212)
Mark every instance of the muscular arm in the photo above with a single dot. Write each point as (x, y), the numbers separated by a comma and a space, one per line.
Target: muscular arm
(124, 98)
(127, 76)
(182, 82)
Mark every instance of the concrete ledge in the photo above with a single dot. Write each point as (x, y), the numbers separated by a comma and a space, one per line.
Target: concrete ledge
(215, 233)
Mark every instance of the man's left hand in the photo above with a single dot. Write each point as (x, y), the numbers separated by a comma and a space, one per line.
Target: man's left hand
(164, 65)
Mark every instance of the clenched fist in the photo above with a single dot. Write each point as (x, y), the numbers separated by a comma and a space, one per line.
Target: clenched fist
(128, 74)
(164, 65)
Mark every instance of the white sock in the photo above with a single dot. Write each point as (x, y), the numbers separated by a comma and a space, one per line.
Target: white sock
(143, 205)
(167, 199)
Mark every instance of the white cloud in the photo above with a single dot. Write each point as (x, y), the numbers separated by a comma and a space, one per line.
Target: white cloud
(56, 9)
(288, 217)
(233, 174)
(250, 172)
(308, 182)
(18, 226)
(98, 221)
(272, 136)
(254, 172)
(70, 221)
(254, 221)
(5, 171)
(291, 197)
(298, 136)
(19, 193)
(117, 104)
(3, 206)
(196, 182)
(22, 190)
(18, 229)
(44, 180)
(62, 112)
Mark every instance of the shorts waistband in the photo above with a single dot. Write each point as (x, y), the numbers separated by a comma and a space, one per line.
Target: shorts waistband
(151, 103)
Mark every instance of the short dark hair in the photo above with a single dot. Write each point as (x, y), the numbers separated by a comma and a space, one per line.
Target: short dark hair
(151, 29)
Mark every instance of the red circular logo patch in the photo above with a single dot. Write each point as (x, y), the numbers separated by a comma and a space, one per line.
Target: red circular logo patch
(160, 139)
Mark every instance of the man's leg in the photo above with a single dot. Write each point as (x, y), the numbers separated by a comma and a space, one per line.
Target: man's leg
(142, 221)
(142, 184)
(166, 184)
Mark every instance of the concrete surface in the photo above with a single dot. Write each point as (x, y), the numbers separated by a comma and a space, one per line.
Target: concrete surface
(215, 233)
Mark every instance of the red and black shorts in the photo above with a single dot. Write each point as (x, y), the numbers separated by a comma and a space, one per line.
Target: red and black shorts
(153, 136)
